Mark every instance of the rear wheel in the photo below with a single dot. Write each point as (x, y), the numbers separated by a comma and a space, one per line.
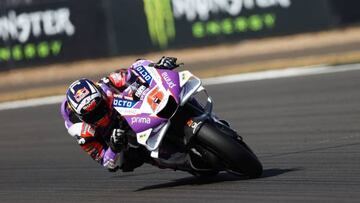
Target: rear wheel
(234, 154)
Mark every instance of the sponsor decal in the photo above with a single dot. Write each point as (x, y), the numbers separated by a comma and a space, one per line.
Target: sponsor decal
(161, 26)
(144, 93)
(168, 80)
(238, 25)
(143, 136)
(34, 35)
(140, 120)
(203, 9)
(209, 18)
(144, 73)
(155, 97)
(22, 26)
(123, 103)
(81, 94)
(89, 107)
(128, 111)
(28, 51)
(192, 124)
(87, 131)
(139, 92)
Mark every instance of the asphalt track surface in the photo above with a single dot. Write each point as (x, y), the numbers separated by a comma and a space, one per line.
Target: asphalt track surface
(305, 130)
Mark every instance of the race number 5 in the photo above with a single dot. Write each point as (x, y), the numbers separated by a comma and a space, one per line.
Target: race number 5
(154, 98)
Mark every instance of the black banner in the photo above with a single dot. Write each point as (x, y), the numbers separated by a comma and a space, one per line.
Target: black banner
(184, 23)
(346, 12)
(38, 32)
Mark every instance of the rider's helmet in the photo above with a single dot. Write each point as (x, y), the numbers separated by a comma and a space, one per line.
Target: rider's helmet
(88, 102)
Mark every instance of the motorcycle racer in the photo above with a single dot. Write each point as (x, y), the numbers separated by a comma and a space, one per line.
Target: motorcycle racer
(98, 129)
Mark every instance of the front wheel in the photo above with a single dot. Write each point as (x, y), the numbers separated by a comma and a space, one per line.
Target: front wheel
(234, 154)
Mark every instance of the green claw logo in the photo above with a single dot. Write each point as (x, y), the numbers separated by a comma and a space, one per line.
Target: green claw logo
(160, 21)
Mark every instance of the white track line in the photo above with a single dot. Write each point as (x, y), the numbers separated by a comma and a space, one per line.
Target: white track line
(285, 73)
(271, 74)
(31, 102)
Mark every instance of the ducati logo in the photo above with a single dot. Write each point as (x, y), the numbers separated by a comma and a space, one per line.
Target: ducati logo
(193, 125)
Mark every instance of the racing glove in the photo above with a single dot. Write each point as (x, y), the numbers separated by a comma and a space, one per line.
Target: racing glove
(168, 63)
(118, 140)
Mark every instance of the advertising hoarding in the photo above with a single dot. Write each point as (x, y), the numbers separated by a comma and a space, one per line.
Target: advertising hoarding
(35, 32)
(40, 32)
(179, 23)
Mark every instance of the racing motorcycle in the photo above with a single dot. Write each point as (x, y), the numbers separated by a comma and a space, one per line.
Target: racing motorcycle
(169, 109)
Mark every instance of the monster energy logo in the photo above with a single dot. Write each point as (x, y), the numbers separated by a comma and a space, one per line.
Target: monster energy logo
(160, 21)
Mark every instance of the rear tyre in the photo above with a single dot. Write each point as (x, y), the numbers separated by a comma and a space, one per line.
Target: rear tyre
(234, 154)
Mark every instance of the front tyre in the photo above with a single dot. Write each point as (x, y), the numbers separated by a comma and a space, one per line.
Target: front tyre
(235, 154)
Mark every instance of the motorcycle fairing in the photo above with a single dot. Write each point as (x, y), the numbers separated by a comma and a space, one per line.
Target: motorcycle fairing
(142, 115)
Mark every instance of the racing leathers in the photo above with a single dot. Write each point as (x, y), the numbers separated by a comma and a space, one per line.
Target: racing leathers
(107, 140)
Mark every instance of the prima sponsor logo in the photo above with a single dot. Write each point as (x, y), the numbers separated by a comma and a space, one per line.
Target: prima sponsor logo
(22, 26)
(202, 9)
(140, 120)
(168, 80)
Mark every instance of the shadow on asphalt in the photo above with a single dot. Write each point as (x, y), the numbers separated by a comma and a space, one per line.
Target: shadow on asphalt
(277, 171)
(222, 177)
